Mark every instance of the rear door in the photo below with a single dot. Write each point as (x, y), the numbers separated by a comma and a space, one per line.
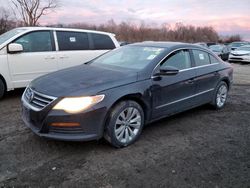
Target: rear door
(207, 76)
(38, 57)
(174, 93)
(75, 48)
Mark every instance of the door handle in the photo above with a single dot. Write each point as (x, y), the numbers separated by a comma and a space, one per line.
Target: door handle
(63, 57)
(191, 81)
(216, 73)
(50, 57)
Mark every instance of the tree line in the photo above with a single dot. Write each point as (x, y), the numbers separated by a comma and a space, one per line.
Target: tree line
(28, 13)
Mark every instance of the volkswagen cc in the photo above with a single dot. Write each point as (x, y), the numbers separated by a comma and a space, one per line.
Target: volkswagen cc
(116, 94)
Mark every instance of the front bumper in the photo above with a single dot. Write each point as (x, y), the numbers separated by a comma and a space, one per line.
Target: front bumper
(239, 58)
(40, 122)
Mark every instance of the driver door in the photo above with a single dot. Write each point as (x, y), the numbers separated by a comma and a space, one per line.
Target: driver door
(173, 93)
(37, 58)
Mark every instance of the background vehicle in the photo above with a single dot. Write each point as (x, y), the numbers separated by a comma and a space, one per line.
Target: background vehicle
(202, 44)
(221, 50)
(241, 54)
(123, 43)
(136, 84)
(27, 53)
(211, 43)
(235, 45)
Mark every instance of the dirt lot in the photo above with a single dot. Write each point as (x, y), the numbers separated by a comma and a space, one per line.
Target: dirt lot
(198, 148)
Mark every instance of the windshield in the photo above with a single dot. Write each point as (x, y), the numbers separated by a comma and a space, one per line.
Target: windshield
(130, 57)
(216, 48)
(4, 37)
(244, 48)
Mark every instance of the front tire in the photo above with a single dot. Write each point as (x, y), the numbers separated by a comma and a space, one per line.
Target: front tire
(124, 124)
(220, 96)
(2, 89)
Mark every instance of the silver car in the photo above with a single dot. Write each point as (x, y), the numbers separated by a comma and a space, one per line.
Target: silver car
(241, 54)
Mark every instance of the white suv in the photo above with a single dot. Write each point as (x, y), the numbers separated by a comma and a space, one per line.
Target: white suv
(29, 52)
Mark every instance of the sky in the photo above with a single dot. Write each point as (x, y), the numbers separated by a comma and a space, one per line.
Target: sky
(226, 16)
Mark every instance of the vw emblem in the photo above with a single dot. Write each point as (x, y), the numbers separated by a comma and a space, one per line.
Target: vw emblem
(29, 95)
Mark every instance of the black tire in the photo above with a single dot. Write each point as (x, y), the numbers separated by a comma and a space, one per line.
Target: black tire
(2, 89)
(111, 124)
(217, 105)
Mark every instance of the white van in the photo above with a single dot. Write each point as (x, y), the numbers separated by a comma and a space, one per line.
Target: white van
(29, 52)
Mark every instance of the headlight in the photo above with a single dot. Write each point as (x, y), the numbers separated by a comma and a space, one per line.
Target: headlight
(77, 104)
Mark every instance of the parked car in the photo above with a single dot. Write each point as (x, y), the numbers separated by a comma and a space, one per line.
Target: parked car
(221, 50)
(211, 43)
(29, 52)
(241, 54)
(235, 45)
(202, 44)
(116, 94)
(123, 43)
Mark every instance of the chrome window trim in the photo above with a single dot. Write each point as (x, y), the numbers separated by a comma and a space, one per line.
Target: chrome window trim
(28, 105)
(185, 98)
(192, 48)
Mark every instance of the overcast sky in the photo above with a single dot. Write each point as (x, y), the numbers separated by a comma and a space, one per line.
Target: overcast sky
(226, 16)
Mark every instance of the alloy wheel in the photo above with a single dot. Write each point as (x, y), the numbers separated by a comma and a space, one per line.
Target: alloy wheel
(221, 95)
(128, 124)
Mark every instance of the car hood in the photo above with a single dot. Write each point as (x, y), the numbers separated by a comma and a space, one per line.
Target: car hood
(82, 80)
(240, 52)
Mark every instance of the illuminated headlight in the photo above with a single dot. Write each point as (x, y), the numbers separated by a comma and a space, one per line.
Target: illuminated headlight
(77, 104)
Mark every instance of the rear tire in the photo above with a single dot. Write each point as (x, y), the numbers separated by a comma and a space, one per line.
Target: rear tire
(220, 96)
(2, 89)
(124, 124)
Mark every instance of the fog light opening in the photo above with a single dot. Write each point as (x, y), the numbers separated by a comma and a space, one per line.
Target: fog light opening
(61, 124)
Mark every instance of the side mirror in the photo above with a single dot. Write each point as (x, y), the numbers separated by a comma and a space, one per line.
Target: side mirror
(15, 48)
(168, 70)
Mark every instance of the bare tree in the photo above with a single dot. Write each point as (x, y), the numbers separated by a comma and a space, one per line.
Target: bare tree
(32, 10)
(6, 22)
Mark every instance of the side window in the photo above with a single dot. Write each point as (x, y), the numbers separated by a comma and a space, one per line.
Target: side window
(213, 59)
(179, 59)
(68, 40)
(38, 41)
(201, 58)
(102, 42)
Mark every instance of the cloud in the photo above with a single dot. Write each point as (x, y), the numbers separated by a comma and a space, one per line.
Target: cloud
(223, 15)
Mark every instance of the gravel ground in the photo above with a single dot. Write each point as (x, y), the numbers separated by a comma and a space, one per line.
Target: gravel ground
(197, 148)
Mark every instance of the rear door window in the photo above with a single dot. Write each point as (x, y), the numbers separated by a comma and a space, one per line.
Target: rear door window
(68, 40)
(102, 42)
(201, 58)
(179, 59)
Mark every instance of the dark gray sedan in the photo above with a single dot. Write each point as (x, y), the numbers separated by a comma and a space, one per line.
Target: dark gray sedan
(118, 93)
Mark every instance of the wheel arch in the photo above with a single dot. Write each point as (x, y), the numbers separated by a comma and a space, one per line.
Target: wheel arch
(137, 97)
(4, 82)
(226, 80)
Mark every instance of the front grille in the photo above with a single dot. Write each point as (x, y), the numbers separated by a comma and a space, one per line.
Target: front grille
(37, 100)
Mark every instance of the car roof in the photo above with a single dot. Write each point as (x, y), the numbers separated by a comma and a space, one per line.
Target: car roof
(161, 44)
(65, 29)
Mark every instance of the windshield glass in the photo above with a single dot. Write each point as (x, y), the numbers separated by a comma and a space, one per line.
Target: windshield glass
(244, 48)
(216, 48)
(130, 57)
(4, 37)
